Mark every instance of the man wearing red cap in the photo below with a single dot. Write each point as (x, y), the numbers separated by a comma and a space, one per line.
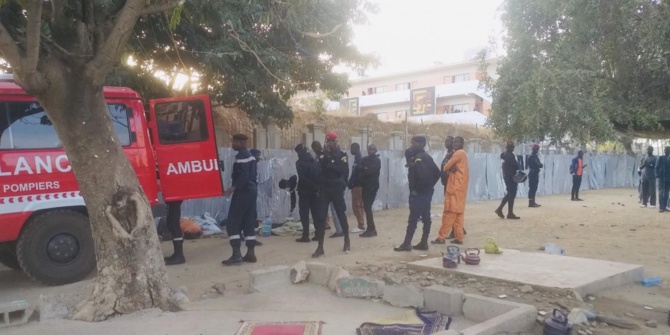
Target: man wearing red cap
(334, 172)
(534, 165)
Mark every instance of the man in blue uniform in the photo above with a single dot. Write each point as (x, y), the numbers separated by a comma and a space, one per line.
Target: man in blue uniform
(534, 165)
(309, 178)
(423, 174)
(334, 172)
(242, 216)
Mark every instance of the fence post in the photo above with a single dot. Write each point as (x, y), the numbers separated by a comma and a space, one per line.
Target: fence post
(261, 138)
(365, 138)
(473, 146)
(316, 133)
(496, 147)
(396, 142)
(274, 136)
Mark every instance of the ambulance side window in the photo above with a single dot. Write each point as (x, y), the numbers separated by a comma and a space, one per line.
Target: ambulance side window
(181, 122)
(25, 125)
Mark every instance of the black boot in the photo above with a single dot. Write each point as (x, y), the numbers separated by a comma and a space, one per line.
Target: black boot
(532, 204)
(347, 244)
(510, 210)
(250, 257)
(304, 239)
(236, 258)
(423, 245)
(178, 255)
(319, 235)
(407, 244)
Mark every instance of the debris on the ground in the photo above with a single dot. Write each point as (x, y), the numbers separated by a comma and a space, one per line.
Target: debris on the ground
(526, 289)
(219, 288)
(299, 273)
(577, 317)
(652, 323)
(648, 308)
(51, 308)
(617, 322)
(502, 296)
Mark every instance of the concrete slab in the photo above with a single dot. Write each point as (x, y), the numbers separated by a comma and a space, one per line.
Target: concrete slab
(544, 271)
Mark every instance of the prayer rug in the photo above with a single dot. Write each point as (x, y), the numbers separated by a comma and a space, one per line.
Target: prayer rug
(280, 328)
(413, 322)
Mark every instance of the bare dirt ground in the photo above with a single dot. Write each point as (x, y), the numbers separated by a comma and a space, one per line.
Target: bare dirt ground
(608, 225)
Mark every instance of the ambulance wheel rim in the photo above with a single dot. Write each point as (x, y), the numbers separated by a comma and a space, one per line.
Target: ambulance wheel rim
(63, 248)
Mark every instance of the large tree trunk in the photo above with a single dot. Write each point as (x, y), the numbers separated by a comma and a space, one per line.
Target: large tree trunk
(131, 272)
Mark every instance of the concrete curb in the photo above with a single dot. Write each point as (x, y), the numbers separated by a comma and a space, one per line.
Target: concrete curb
(14, 313)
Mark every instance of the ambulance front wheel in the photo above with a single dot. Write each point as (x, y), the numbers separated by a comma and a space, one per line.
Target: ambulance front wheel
(56, 248)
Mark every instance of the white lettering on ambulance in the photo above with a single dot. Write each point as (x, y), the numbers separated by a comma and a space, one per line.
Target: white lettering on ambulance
(60, 167)
(192, 167)
(26, 187)
(40, 164)
(22, 165)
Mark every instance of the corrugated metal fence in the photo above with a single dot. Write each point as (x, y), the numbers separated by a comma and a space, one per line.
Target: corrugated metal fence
(486, 180)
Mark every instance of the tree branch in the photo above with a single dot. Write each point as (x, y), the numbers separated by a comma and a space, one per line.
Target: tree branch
(9, 48)
(319, 35)
(162, 7)
(33, 28)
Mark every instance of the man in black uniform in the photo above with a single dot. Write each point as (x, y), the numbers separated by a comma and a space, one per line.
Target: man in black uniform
(173, 221)
(534, 165)
(241, 215)
(649, 179)
(509, 168)
(309, 178)
(369, 169)
(334, 171)
(423, 174)
(663, 175)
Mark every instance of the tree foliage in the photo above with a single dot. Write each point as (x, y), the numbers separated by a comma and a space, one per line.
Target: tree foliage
(582, 70)
(252, 54)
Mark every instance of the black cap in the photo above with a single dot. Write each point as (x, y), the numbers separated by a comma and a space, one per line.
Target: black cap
(240, 137)
(419, 139)
(300, 148)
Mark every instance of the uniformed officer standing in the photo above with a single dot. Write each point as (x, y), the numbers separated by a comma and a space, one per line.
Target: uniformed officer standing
(423, 174)
(173, 221)
(334, 171)
(242, 213)
(534, 165)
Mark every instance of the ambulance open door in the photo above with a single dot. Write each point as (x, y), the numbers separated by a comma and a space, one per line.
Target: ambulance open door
(182, 131)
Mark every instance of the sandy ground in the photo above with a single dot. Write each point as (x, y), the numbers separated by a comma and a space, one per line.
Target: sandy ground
(608, 225)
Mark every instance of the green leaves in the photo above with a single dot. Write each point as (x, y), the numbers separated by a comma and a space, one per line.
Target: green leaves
(582, 69)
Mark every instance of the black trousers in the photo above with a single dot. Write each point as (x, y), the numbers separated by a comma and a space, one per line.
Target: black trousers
(242, 215)
(576, 185)
(419, 208)
(663, 193)
(533, 181)
(308, 203)
(649, 191)
(173, 219)
(509, 198)
(331, 193)
(369, 195)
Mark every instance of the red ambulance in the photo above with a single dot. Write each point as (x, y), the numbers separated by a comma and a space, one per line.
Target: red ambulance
(44, 228)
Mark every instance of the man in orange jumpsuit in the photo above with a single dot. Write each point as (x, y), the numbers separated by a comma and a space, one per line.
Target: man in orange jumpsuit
(456, 195)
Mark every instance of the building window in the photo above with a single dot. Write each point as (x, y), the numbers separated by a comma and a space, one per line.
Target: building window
(181, 122)
(402, 87)
(400, 114)
(460, 108)
(379, 89)
(461, 77)
(382, 116)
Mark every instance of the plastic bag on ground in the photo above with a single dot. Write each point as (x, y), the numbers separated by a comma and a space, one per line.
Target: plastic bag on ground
(208, 224)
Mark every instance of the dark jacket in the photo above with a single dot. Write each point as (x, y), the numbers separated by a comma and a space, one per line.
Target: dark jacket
(334, 167)
(510, 165)
(369, 169)
(244, 171)
(444, 175)
(355, 179)
(534, 164)
(423, 173)
(309, 174)
(649, 167)
(663, 168)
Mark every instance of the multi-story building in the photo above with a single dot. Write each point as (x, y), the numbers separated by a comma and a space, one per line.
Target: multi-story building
(439, 89)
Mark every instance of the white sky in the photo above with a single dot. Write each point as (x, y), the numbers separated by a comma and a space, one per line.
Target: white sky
(409, 34)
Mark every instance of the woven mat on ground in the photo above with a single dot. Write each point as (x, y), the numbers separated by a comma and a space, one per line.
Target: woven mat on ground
(413, 322)
(280, 328)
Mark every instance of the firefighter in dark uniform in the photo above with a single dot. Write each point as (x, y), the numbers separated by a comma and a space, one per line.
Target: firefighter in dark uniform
(242, 215)
(173, 221)
(534, 165)
(334, 172)
(510, 167)
(309, 178)
(423, 174)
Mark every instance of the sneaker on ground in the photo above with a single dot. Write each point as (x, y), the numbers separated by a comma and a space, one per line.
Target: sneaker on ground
(356, 230)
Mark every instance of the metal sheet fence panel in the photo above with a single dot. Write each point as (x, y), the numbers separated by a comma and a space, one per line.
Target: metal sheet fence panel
(486, 180)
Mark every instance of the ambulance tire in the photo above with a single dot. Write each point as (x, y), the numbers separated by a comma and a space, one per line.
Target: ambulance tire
(56, 248)
(8, 257)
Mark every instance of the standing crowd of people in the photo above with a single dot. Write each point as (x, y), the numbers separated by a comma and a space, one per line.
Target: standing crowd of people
(650, 169)
(324, 178)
